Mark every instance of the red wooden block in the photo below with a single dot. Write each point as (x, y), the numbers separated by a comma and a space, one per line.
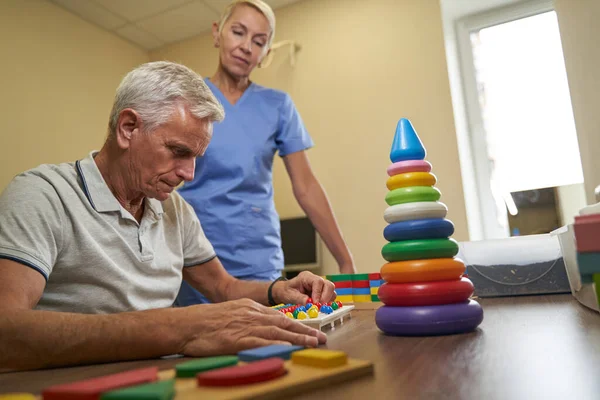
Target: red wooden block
(374, 276)
(587, 218)
(91, 389)
(258, 371)
(343, 285)
(361, 284)
(587, 233)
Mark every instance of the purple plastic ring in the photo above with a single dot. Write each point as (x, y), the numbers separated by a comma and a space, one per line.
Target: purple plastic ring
(429, 320)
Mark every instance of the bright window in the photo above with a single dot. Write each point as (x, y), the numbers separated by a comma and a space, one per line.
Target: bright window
(525, 104)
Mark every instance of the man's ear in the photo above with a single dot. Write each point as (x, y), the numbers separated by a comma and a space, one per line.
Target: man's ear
(128, 124)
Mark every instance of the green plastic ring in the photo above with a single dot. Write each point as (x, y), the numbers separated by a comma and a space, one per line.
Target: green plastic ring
(420, 249)
(412, 194)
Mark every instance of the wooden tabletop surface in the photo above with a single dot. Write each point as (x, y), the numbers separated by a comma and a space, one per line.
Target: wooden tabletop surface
(534, 347)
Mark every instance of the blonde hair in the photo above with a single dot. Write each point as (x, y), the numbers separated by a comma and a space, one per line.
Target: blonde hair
(259, 5)
(154, 90)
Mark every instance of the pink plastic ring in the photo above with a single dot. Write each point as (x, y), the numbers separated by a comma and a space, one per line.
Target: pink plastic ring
(402, 167)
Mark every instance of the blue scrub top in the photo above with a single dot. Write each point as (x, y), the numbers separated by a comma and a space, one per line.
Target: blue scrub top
(232, 190)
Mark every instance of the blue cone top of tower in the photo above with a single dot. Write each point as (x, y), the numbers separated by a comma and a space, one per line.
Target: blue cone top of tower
(406, 145)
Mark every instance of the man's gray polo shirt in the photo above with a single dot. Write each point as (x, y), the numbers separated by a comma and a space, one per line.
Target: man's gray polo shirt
(64, 222)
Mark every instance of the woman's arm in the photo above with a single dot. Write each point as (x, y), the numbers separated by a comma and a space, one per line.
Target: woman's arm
(312, 198)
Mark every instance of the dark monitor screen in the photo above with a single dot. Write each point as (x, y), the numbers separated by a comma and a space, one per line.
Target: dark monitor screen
(298, 240)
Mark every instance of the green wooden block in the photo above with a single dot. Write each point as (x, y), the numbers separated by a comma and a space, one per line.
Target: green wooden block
(360, 277)
(162, 390)
(191, 368)
(340, 277)
(374, 297)
(596, 278)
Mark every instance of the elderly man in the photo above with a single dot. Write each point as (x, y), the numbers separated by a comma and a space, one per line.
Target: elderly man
(92, 253)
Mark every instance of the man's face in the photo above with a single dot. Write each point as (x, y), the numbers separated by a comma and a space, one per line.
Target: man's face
(162, 159)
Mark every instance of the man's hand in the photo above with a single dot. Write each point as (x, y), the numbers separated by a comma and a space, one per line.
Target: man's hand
(305, 285)
(232, 326)
(212, 280)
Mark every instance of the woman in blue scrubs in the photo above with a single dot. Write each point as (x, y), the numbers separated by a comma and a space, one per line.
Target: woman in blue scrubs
(232, 191)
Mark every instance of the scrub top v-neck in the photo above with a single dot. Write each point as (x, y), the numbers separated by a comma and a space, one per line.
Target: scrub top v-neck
(232, 190)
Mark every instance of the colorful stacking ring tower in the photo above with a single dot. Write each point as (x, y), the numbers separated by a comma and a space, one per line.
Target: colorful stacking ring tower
(424, 292)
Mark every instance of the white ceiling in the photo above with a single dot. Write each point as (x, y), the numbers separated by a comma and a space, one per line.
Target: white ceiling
(153, 23)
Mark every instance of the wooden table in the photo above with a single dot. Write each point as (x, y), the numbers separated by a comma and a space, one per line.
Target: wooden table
(536, 347)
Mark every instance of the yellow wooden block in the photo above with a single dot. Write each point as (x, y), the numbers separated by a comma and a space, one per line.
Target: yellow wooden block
(320, 358)
(361, 298)
(374, 290)
(17, 396)
(346, 298)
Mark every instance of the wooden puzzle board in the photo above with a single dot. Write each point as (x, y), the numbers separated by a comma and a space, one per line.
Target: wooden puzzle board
(299, 379)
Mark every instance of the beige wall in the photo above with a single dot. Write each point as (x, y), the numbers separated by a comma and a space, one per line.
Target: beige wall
(579, 31)
(571, 199)
(363, 65)
(59, 75)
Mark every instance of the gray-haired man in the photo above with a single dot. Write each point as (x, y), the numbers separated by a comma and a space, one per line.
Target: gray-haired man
(92, 253)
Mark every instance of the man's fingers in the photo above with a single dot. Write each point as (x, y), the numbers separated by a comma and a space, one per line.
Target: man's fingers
(328, 292)
(298, 327)
(281, 321)
(317, 290)
(278, 334)
(295, 297)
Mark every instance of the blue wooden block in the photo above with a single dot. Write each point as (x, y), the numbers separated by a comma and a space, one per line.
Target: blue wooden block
(588, 263)
(361, 291)
(275, 350)
(343, 291)
(376, 283)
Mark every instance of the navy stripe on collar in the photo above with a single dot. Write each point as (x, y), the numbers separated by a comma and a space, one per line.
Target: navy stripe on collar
(85, 186)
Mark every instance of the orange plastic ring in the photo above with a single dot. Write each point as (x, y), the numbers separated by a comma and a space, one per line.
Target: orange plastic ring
(411, 179)
(431, 269)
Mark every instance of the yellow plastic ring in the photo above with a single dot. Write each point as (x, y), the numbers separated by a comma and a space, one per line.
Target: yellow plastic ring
(411, 179)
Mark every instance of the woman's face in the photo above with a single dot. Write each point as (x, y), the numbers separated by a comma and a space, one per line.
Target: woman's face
(243, 41)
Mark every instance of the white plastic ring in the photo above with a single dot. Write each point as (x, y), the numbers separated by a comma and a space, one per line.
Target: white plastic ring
(416, 210)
